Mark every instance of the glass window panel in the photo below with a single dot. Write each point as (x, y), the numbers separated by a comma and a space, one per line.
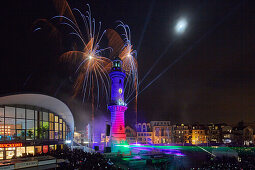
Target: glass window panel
(40, 115)
(51, 135)
(36, 114)
(45, 116)
(9, 111)
(20, 124)
(51, 117)
(1, 129)
(20, 134)
(60, 127)
(10, 123)
(45, 135)
(64, 126)
(36, 124)
(56, 134)
(30, 114)
(40, 124)
(1, 112)
(10, 153)
(30, 124)
(10, 134)
(30, 150)
(64, 135)
(20, 151)
(60, 134)
(30, 129)
(56, 126)
(51, 126)
(20, 113)
(30, 134)
(60, 120)
(46, 125)
(56, 118)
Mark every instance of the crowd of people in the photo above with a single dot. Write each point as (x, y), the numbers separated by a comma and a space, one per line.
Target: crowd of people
(78, 159)
(244, 162)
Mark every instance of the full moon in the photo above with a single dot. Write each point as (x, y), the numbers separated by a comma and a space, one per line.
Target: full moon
(181, 26)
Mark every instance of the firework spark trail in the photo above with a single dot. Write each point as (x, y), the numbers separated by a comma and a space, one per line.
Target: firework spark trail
(127, 55)
(145, 25)
(190, 48)
(90, 54)
(91, 69)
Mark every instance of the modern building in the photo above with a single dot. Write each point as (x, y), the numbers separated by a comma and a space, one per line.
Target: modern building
(33, 123)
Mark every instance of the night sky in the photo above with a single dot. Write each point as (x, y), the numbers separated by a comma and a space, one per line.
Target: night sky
(214, 81)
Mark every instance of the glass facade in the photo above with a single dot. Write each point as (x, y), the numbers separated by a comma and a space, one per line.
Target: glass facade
(18, 123)
(28, 124)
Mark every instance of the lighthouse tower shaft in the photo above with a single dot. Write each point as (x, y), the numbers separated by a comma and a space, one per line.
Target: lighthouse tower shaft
(117, 105)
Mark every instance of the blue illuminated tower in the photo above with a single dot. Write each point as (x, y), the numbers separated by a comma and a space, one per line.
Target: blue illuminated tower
(117, 105)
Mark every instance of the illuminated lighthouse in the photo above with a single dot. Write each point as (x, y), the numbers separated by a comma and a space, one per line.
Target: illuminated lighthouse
(117, 105)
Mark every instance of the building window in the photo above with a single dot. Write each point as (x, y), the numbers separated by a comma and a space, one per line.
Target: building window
(20, 113)
(28, 124)
(30, 129)
(56, 127)
(30, 114)
(9, 112)
(30, 150)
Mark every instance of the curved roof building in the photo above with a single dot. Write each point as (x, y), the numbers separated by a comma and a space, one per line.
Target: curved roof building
(33, 123)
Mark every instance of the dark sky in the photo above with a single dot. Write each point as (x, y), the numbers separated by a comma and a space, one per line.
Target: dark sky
(213, 82)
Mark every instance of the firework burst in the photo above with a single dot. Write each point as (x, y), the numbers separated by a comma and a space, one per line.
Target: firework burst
(123, 48)
(91, 68)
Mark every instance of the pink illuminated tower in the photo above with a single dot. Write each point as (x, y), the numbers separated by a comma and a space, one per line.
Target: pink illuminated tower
(117, 105)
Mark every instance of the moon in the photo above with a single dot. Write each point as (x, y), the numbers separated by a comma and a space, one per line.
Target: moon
(181, 26)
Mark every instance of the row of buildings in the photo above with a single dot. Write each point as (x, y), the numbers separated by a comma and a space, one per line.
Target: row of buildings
(163, 132)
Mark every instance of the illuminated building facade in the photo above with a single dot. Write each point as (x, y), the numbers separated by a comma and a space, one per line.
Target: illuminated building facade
(227, 135)
(117, 105)
(130, 135)
(198, 133)
(155, 132)
(181, 134)
(162, 132)
(215, 133)
(33, 123)
(144, 133)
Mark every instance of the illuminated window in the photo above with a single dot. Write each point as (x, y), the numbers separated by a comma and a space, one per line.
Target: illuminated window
(56, 118)
(30, 130)
(20, 151)
(51, 117)
(30, 150)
